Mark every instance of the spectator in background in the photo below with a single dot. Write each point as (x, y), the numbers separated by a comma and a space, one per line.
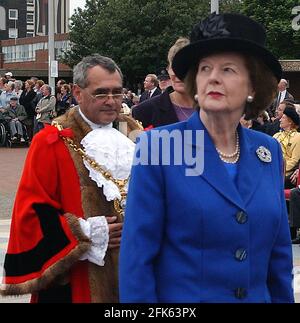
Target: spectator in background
(35, 101)
(164, 80)
(171, 106)
(274, 126)
(127, 97)
(9, 76)
(66, 100)
(15, 115)
(282, 95)
(151, 87)
(3, 81)
(27, 100)
(18, 88)
(59, 84)
(33, 79)
(45, 108)
(289, 139)
(7, 94)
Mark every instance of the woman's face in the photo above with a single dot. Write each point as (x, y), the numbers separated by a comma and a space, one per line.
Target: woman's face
(177, 85)
(223, 83)
(285, 122)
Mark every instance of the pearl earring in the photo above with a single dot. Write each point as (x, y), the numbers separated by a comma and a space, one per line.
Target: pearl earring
(249, 98)
(196, 97)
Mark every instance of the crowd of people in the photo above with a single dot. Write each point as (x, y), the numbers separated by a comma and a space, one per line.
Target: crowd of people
(26, 107)
(100, 217)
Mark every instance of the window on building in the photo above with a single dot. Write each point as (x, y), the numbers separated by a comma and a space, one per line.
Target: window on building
(30, 18)
(30, 2)
(13, 14)
(12, 33)
(30, 34)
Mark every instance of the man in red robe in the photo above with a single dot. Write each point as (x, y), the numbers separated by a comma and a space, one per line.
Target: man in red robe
(61, 216)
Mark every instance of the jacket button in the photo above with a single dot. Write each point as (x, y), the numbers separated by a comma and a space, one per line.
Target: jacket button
(241, 217)
(241, 254)
(240, 293)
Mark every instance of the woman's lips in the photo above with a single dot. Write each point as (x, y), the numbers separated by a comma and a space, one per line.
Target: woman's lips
(215, 95)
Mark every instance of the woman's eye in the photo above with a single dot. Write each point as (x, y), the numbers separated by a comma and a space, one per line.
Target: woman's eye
(204, 68)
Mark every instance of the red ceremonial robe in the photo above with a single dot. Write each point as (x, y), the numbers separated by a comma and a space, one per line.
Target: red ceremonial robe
(46, 241)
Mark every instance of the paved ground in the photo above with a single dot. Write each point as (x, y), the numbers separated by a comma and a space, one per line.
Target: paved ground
(11, 164)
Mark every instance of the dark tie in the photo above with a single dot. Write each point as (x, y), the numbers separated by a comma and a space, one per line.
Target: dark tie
(149, 94)
(278, 99)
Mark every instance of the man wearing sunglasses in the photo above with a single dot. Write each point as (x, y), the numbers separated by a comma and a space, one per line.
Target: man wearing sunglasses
(66, 232)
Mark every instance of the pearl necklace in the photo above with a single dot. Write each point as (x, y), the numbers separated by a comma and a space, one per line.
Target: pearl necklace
(236, 154)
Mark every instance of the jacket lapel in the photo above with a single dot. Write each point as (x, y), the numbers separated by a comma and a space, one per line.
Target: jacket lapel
(250, 168)
(215, 172)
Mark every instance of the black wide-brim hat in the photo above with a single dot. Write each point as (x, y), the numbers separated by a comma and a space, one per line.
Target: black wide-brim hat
(292, 114)
(225, 32)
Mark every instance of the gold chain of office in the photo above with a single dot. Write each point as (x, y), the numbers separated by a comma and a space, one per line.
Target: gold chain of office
(119, 205)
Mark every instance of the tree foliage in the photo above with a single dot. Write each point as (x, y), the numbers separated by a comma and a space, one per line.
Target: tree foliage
(276, 16)
(138, 34)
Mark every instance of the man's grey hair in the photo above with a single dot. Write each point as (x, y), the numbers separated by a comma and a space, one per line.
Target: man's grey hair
(48, 87)
(81, 69)
(284, 81)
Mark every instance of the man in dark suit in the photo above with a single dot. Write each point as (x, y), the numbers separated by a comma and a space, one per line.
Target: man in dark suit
(282, 95)
(151, 87)
(156, 112)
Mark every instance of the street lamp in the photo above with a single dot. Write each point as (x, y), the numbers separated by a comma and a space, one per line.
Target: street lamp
(214, 6)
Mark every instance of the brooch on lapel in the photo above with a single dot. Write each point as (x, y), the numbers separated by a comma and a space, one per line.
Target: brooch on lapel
(264, 154)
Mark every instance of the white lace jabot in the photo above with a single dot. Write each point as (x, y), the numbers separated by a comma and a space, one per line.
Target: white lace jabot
(114, 152)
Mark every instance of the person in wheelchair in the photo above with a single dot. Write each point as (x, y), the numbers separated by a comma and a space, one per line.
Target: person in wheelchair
(15, 114)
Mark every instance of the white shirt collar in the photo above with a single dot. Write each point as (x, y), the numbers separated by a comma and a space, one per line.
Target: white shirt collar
(92, 124)
(152, 91)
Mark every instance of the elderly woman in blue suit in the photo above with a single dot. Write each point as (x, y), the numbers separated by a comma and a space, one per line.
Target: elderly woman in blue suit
(217, 231)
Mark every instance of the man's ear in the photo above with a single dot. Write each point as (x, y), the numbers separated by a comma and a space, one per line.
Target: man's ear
(77, 92)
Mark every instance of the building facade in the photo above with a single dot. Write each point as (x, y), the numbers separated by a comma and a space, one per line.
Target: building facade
(29, 57)
(29, 18)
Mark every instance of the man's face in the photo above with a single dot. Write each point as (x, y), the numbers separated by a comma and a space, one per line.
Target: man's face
(13, 103)
(148, 83)
(281, 86)
(101, 110)
(280, 109)
(164, 83)
(45, 90)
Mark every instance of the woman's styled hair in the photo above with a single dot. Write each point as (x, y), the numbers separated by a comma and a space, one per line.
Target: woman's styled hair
(179, 44)
(263, 81)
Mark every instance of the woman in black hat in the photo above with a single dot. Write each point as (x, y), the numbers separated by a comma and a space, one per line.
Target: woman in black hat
(216, 233)
(289, 139)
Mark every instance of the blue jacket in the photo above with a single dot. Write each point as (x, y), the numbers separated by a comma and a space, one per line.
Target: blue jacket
(205, 238)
